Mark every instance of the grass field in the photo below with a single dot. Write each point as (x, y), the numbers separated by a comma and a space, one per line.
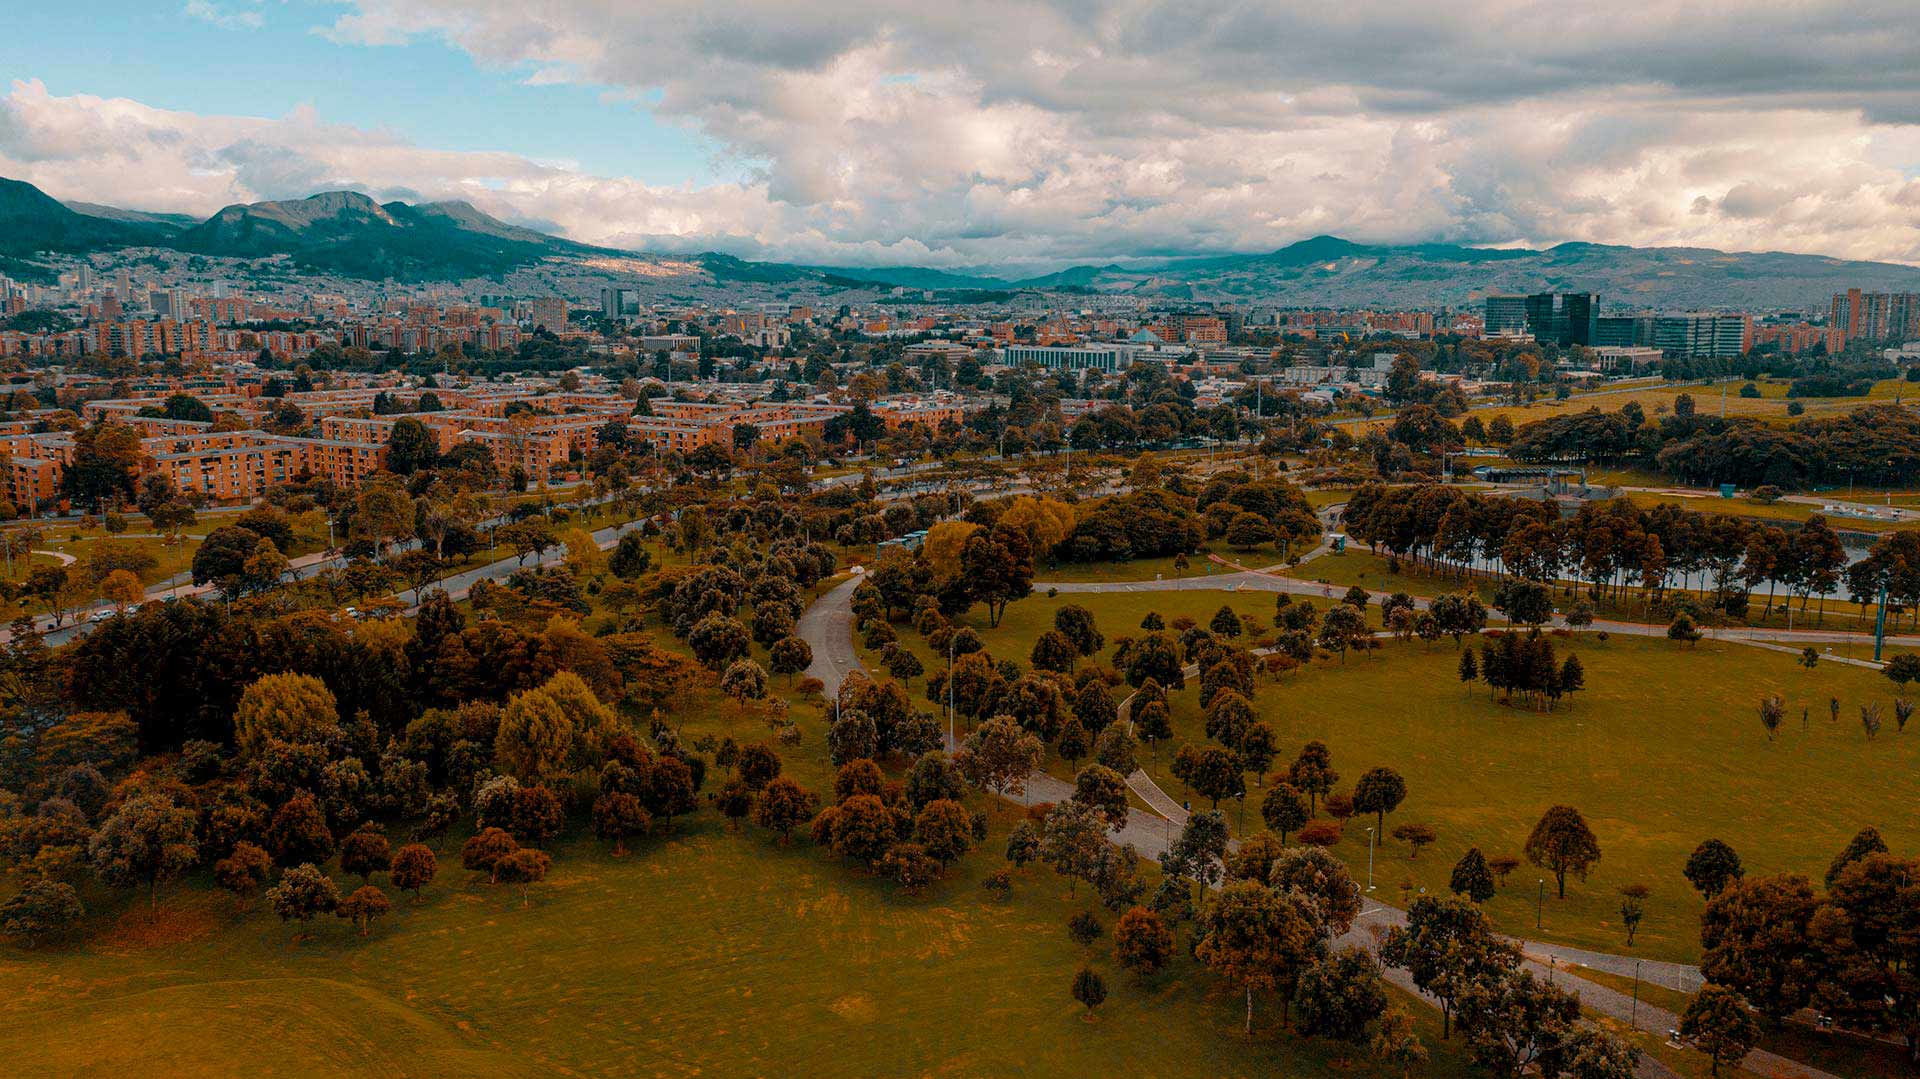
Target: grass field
(1663, 749)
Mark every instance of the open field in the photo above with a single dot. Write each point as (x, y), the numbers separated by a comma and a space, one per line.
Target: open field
(1662, 750)
(704, 953)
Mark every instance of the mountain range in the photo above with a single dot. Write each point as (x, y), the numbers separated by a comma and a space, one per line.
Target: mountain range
(349, 234)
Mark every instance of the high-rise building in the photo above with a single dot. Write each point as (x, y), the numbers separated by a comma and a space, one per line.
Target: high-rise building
(619, 303)
(1873, 316)
(1506, 315)
(550, 312)
(1699, 336)
(1623, 331)
(1565, 319)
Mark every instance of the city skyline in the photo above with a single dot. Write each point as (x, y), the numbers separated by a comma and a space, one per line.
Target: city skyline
(1026, 136)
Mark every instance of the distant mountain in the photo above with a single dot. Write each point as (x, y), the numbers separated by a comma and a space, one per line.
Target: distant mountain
(347, 233)
(169, 222)
(31, 221)
(1336, 272)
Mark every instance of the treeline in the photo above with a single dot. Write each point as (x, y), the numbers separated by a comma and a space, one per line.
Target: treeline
(1610, 545)
(1878, 444)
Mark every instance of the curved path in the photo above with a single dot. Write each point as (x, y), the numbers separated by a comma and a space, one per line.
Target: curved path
(827, 627)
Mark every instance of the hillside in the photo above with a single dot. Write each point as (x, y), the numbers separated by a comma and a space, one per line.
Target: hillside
(1336, 272)
(345, 232)
(32, 221)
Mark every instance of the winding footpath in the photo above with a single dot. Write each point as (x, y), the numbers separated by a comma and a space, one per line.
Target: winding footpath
(827, 627)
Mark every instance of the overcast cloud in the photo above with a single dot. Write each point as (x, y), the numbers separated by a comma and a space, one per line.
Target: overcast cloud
(1040, 134)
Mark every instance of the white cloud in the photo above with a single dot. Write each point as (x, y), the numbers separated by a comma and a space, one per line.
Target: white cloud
(1042, 132)
(206, 11)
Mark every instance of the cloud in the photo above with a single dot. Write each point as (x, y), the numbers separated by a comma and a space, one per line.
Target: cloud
(1038, 133)
(206, 11)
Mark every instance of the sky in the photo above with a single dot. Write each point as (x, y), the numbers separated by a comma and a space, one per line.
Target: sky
(1014, 134)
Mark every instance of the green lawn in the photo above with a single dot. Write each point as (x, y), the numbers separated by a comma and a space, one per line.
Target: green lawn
(1664, 749)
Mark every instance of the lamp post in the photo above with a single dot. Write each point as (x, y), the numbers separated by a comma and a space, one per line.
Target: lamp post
(1539, 902)
(1369, 859)
(1634, 1021)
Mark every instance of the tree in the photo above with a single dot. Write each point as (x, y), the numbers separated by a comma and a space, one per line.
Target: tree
(945, 830)
(122, 589)
(1341, 629)
(1255, 937)
(619, 816)
(41, 908)
(1089, 989)
(1104, 790)
(784, 805)
(1052, 651)
(410, 447)
(1142, 942)
(1084, 928)
(296, 708)
(1719, 1024)
(365, 853)
(1284, 810)
(414, 867)
(1903, 668)
(525, 867)
(364, 906)
(535, 738)
(1379, 791)
(1712, 867)
(1512, 1022)
(304, 893)
(744, 681)
(1446, 946)
(299, 833)
(1773, 711)
(1633, 908)
(1415, 836)
(1394, 1041)
(1469, 670)
(718, 640)
(1216, 774)
(1864, 842)
(147, 841)
(1340, 995)
(244, 872)
(1077, 624)
(1472, 877)
(1563, 843)
(1682, 629)
(790, 656)
(1755, 938)
(998, 756)
(630, 558)
(482, 853)
(1312, 772)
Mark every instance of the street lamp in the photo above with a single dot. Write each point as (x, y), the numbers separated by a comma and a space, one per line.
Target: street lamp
(1369, 859)
(1539, 903)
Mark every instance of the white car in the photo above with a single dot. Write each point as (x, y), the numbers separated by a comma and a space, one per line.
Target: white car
(100, 616)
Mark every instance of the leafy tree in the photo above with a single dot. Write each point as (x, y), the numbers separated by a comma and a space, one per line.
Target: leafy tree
(299, 832)
(285, 707)
(414, 867)
(619, 816)
(1469, 670)
(535, 739)
(1379, 791)
(1052, 651)
(1216, 775)
(365, 852)
(1562, 842)
(999, 756)
(525, 867)
(1084, 928)
(630, 559)
(718, 640)
(304, 893)
(1755, 938)
(40, 908)
(1415, 836)
(1394, 1042)
(1255, 937)
(1077, 624)
(784, 806)
(1864, 842)
(790, 656)
(363, 907)
(1142, 942)
(1284, 810)
(945, 830)
(1512, 1022)
(244, 872)
(1472, 877)
(1104, 790)
(147, 841)
(1712, 866)
(1114, 749)
(1340, 995)
(1718, 1023)
(1312, 773)
(482, 853)
(1446, 946)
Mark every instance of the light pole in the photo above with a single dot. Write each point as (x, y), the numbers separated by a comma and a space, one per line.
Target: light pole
(950, 741)
(1369, 859)
(1635, 1020)
(1540, 902)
